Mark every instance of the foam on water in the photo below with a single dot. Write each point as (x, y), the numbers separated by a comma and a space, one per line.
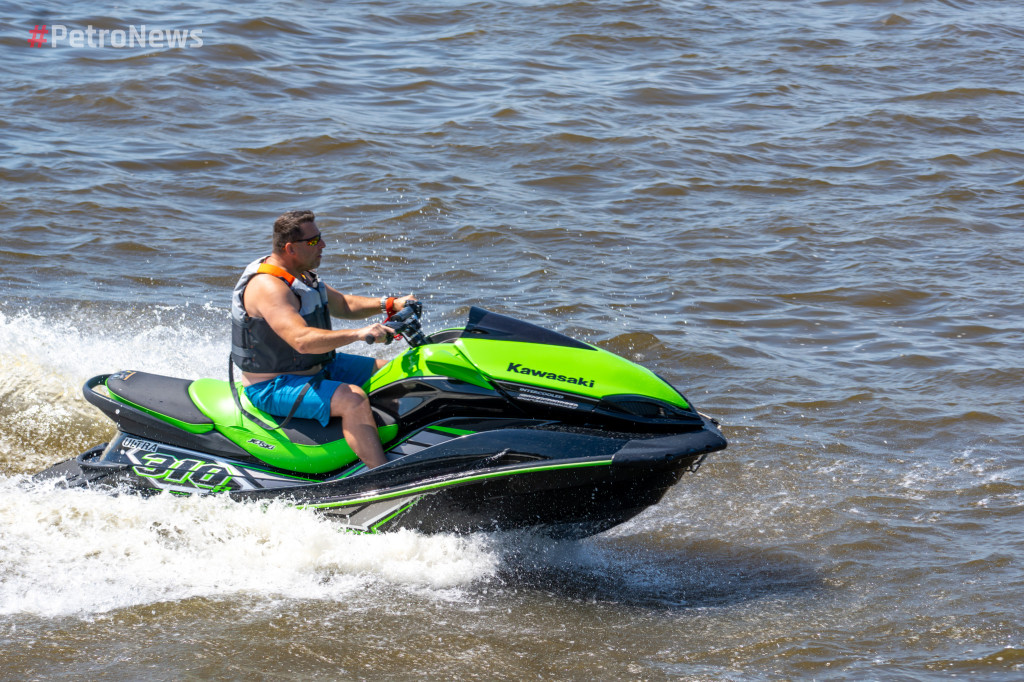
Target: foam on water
(79, 343)
(81, 552)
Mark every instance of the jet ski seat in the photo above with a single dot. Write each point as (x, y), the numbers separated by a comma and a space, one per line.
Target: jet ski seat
(168, 396)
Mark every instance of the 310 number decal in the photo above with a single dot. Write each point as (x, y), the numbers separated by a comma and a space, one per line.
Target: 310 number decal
(194, 472)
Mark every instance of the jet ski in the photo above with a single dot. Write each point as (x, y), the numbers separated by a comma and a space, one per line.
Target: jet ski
(498, 425)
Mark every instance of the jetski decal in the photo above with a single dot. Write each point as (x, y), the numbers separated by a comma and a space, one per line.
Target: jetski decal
(420, 441)
(536, 395)
(184, 471)
(544, 374)
(131, 443)
(368, 518)
(194, 472)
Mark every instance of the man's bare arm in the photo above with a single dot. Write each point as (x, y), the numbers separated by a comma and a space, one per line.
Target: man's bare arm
(273, 300)
(351, 307)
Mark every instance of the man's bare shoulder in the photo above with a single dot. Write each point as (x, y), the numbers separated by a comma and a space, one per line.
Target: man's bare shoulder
(266, 292)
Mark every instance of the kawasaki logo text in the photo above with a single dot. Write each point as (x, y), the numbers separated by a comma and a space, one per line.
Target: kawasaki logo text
(579, 381)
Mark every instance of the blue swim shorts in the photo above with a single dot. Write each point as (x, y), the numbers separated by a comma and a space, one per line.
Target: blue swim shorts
(278, 395)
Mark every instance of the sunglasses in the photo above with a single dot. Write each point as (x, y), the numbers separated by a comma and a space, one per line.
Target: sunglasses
(312, 242)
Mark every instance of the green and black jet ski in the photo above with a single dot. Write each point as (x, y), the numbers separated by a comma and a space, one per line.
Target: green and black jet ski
(499, 425)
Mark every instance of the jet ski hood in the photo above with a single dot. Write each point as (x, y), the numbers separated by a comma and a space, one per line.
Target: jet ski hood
(504, 349)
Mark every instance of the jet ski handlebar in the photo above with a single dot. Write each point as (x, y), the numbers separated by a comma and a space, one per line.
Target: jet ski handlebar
(406, 323)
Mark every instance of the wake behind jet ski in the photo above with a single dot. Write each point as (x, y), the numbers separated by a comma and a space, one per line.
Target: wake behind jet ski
(498, 425)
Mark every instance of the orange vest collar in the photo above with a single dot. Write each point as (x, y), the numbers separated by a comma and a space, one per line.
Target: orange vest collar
(270, 269)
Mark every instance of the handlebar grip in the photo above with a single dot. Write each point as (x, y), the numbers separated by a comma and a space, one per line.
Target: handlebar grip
(370, 339)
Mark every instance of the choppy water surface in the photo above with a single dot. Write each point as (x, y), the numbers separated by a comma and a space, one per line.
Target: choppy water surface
(805, 214)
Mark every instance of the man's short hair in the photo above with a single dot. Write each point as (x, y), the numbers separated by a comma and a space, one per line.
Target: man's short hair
(288, 227)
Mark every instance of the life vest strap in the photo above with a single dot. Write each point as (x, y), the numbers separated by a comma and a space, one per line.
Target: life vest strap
(271, 269)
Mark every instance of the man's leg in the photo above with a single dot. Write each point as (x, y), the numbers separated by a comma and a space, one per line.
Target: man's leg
(351, 404)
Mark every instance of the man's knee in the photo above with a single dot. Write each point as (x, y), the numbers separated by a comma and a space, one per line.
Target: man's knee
(347, 398)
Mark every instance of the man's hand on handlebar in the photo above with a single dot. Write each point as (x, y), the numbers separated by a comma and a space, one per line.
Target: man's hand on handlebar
(375, 332)
(403, 322)
(403, 301)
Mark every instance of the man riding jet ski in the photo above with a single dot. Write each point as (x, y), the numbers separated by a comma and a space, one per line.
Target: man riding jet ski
(497, 425)
(283, 341)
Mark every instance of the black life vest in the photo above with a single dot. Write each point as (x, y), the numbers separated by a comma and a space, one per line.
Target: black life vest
(255, 347)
